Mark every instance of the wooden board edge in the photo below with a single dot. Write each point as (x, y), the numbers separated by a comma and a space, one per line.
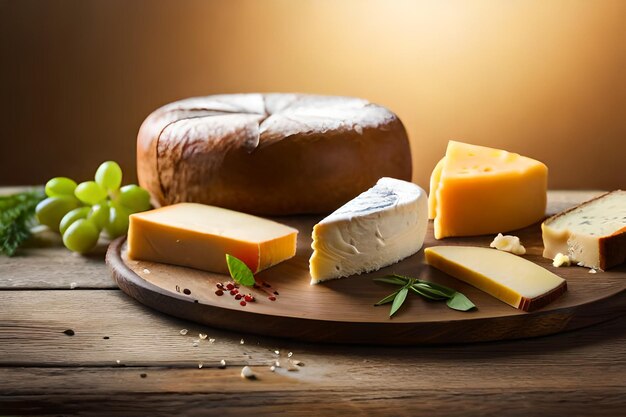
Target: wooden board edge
(534, 324)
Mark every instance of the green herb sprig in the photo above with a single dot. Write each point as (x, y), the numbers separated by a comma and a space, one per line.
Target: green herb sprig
(427, 289)
(239, 271)
(17, 212)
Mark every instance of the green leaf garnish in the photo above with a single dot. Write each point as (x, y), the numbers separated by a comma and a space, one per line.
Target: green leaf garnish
(398, 300)
(460, 302)
(239, 271)
(387, 299)
(433, 291)
(427, 289)
(390, 280)
(426, 294)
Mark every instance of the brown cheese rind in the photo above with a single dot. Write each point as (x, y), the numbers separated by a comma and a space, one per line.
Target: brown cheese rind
(272, 154)
(532, 304)
(613, 250)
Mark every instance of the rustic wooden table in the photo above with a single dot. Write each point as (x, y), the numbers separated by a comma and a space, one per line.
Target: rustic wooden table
(121, 358)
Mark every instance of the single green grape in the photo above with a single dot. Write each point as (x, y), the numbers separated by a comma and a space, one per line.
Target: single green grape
(134, 198)
(118, 221)
(72, 216)
(99, 215)
(81, 236)
(51, 210)
(109, 175)
(89, 192)
(60, 186)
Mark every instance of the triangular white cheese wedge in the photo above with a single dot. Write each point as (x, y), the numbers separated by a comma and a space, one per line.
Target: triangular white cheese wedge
(382, 226)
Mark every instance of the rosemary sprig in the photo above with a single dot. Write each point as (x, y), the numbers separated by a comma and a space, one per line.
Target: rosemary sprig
(427, 289)
(17, 212)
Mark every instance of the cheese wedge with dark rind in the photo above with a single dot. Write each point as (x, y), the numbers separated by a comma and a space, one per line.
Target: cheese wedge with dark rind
(509, 278)
(592, 234)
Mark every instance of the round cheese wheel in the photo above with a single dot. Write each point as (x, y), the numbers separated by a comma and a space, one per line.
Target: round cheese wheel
(271, 154)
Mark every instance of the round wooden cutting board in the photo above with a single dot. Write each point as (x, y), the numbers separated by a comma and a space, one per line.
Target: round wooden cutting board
(342, 311)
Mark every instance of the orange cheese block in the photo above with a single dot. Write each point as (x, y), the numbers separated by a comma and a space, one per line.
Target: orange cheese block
(476, 190)
(200, 236)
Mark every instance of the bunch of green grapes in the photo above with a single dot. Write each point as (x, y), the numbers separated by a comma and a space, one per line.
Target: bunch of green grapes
(80, 212)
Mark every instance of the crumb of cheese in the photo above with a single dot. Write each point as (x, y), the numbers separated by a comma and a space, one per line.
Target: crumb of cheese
(247, 373)
(561, 260)
(508, 244)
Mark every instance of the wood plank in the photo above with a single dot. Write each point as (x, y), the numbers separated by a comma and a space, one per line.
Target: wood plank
(46, 263)
(343, 402)
(575, 373)
(31, 335)
(434, 392)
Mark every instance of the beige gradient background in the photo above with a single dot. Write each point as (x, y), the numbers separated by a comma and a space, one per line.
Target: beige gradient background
(543, 78)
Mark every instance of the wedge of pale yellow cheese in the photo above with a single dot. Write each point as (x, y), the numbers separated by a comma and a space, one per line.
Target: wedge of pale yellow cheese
(200, 236)
(476, 190)
(509, 278)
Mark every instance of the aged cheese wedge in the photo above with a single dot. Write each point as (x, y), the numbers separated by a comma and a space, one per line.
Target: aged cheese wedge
(381, 226)
(592, 234)
(475, 190)
(200, 236)
(511, 279)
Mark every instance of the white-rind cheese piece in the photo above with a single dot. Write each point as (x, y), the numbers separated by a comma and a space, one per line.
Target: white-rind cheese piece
(380, 227)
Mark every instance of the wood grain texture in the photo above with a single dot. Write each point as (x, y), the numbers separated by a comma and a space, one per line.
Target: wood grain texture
(219, 392)
(43, 369)
(576, 373)
(341, 311)
(47, 264)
